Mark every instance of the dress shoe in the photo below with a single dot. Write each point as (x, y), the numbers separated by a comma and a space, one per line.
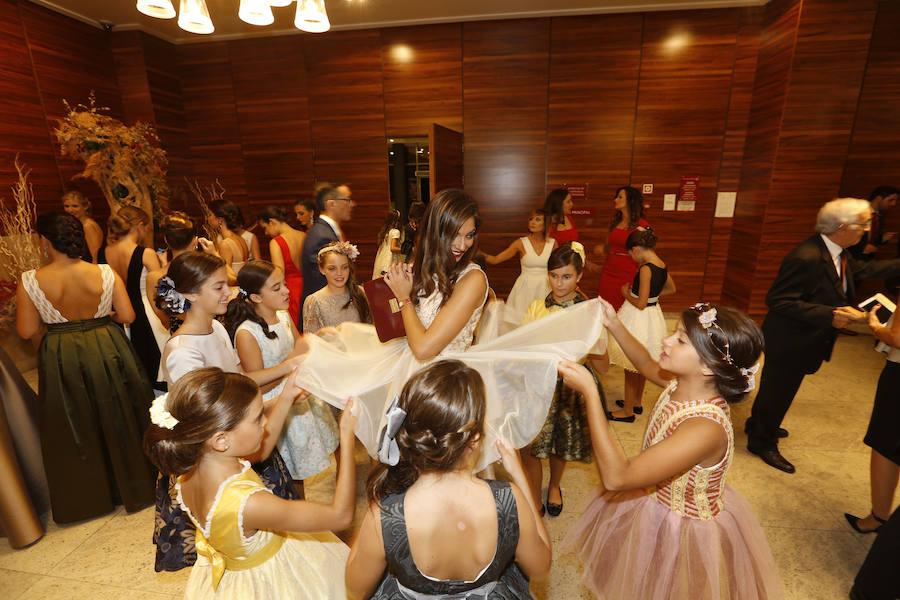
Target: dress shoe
(773, 458)
(781, 433)
(638, 410)
(554, 509)
(628, 419)
(854, 523)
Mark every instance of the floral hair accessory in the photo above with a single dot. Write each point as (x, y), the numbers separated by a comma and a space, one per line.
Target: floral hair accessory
(707, 318)
(160, 415)
(578, 248)
(749, 373)
(388, 450)
(173, 300)
(346, 248)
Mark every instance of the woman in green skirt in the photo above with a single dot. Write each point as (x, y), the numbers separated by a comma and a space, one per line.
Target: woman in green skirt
(94, 395)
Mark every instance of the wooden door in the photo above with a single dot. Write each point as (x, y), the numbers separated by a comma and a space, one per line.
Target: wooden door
(445, 167)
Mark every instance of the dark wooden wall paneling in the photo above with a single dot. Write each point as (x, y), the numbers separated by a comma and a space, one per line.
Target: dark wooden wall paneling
(346, 112)
(745, 61)
(770, 86)
(826, 77)
(683, 101)
(211, 112)
(422, 78)
(505, 91)
(23, 129)
(270, 90)
(594, 68)
(70, 59)
(874, 153)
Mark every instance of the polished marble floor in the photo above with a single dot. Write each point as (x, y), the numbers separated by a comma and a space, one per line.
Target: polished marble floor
(817, 554)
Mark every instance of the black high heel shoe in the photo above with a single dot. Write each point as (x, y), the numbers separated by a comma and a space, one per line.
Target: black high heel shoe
(638, 410)
(854, 523)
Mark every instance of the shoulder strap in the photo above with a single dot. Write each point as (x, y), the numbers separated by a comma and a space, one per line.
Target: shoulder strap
(109, 283)
(48, 312)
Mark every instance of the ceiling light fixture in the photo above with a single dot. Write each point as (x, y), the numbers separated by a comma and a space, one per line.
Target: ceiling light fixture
(311, 16)
(193, 16)
(161, 9)
(256, 12)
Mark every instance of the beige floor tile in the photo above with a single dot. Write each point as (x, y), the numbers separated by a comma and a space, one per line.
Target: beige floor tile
(127, 538)
(56, 588)
(14, 583)
(815, 564)
(57, 543)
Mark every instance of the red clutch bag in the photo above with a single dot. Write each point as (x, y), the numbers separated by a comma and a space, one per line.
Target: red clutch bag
(385, 310)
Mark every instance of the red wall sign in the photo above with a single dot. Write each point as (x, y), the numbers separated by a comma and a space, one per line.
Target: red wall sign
(579, 195)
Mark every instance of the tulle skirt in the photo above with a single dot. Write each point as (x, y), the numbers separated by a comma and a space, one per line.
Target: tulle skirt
(519, 371)
(648, 326)
(529, 286)
(632, 546)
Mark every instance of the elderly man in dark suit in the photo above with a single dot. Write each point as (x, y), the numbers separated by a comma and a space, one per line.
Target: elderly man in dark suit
(811, 298)
(335, 207)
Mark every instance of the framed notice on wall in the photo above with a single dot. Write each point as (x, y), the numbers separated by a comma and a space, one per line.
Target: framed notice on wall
(579, 193)
(687, 194)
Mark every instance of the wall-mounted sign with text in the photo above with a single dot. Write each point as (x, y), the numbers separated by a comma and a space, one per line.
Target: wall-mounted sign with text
(579, 193)
(687, 194)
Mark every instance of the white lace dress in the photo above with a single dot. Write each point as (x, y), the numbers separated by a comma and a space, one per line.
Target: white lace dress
(519, 368)
(310, 433)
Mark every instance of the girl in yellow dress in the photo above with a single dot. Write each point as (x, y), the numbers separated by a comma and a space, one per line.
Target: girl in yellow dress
(206, 431)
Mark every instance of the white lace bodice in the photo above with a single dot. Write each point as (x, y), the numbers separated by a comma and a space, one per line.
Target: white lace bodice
(49, 313)
(534, 263)
(430, 306)
(274, 351)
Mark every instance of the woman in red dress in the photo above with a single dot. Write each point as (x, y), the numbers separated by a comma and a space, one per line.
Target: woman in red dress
(285, 249)
(619, 268)
(559, 206)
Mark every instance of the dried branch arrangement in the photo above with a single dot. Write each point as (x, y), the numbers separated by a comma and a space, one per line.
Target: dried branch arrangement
(205, 195)
(19, 249)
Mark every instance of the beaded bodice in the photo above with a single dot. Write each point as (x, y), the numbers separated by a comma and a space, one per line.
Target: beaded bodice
(696, 493)
(430, 306)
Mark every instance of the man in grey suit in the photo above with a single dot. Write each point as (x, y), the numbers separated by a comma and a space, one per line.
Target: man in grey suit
(335, 207)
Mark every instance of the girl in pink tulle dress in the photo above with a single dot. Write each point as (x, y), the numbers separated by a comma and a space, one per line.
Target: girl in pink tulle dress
(666, 526)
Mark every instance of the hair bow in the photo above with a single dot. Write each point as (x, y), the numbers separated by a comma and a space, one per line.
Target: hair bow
(749, 373)
(160, 415)
(174, 300)
(579, 250)
(388, 450)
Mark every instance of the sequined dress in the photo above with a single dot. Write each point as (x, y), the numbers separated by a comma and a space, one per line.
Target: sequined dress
(690, 536)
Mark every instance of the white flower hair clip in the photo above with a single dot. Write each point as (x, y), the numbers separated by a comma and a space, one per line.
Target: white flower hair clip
(707, 315)
(160, 415)
(346, 248)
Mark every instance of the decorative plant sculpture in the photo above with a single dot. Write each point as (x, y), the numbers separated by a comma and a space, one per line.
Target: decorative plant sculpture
(126, 162)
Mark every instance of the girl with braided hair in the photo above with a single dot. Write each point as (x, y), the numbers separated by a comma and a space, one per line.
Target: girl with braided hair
(432, 527)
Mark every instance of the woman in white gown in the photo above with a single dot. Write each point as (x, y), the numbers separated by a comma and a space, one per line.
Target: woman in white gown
(441, 298)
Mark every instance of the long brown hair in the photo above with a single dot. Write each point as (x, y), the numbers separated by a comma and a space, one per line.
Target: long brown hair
(445, 408)
(447, 212)
(357, 296)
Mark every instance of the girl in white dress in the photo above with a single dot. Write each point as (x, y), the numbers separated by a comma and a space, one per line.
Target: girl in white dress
(264, 336)
(440, 299)
(534, 250)
(204, 433)
(388, 244)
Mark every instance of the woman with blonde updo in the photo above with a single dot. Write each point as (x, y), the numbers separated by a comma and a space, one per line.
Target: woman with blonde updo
(132, 262)
(204, 434)
(432, 528)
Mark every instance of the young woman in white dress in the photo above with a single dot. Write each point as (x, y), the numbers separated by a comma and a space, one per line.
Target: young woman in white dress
(534, 250)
